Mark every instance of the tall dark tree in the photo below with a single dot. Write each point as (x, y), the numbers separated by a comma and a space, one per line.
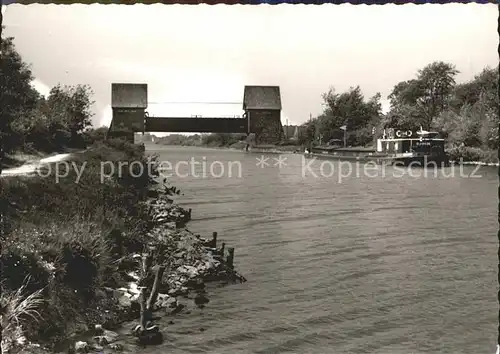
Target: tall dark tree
(472, 117)
(18, 96)
(308, 132)
(70, 108)
(421, 100)
(349, 109)
(485, 83)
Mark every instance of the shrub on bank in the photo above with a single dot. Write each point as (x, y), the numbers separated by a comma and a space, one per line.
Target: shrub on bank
(65, 239)
(92, 136)
(68, 262)
(472, 154)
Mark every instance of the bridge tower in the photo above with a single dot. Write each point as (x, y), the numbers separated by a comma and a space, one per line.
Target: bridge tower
(262, 106)
(129, 103)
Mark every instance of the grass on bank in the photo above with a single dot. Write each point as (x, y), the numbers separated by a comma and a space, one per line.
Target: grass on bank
(63, 241)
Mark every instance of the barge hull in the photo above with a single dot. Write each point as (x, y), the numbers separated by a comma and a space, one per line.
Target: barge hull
(420, 161)
(423, 161)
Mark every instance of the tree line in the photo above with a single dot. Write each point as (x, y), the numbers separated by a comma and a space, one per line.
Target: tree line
(466, 114)
(210, 140)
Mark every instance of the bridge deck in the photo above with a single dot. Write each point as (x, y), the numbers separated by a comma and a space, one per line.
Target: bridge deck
(196, 125)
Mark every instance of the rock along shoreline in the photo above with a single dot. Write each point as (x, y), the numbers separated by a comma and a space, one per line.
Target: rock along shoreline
(190, 261)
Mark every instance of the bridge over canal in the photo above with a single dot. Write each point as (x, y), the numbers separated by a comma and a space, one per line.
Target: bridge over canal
(261, 106)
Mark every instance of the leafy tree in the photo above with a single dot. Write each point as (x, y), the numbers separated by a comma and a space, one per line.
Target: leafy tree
(18, 97)
(94, 135)
(461, 128)
(32, 126)
(69, 108)
(27, 119)
(488, 132)
(309, 132)
(349, 109)
(485, 83)
(472, 118)
(421, 100)
(56, 122)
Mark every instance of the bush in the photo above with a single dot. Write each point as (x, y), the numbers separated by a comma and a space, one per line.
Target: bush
(18, 309)
(360, 137)
(92, 136)
(107, 200)
(472, 154)
(23, 268)
(84, 260)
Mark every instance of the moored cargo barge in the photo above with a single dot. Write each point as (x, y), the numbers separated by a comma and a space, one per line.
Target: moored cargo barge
(395, 147)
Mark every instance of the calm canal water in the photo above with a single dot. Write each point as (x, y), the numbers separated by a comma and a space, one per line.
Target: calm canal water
(373, 264)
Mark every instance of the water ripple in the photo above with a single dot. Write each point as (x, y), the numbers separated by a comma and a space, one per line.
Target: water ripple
(384, 265)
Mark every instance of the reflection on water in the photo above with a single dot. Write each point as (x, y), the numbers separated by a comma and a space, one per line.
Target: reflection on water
(370, 265)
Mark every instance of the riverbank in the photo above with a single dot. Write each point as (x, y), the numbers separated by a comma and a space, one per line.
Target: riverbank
(74, 253)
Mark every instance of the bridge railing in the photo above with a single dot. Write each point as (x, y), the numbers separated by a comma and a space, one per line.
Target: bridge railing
(196, 125)
(223, 116)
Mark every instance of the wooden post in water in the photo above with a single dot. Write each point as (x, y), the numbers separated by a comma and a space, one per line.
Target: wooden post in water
(156, 288)
(144, 313)
(230, 257)
(214, 239)
(147, 307)
(222, 249)
(147, 261)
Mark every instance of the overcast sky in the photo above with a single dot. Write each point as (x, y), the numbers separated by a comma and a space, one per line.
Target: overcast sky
(208, 53)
